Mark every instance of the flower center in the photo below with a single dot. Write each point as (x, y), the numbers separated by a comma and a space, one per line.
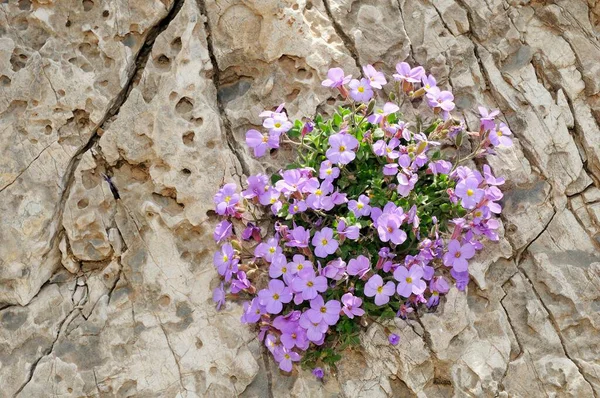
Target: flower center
(225, 257)
(342, 148)
(273, 200)
(300, 266)
(323, 309)
(478, 213)
(388, 150)
(265, 138)
(310, 284)
(271, 250)
(324, 242)
(287, 356)
(390, 229)
(227, 199)
(427, 86)
(361, 89)
(283, 269)
(435, 293)
(360, 205)
(277, 124)
(275, 296)
(328, 172)
(457, 255)
(499, 133)
(409, 280)
(380, 289)
(296, 208)
(294, 335)
(470, 192)
(318, 192)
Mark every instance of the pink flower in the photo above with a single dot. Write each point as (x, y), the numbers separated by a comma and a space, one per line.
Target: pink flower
(500, 136)
(376, 79)
(351, 306)
(277, 123)
(359, 266)
(327, 312)
(360, 207)
(309, 284)
(275, 296)
(405, 73)
(285, 358)
(379, 114)
(382, 292)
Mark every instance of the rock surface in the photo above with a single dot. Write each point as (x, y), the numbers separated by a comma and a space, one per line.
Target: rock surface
(100, 297)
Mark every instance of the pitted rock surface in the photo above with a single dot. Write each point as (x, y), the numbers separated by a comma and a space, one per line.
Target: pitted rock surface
(103, 297)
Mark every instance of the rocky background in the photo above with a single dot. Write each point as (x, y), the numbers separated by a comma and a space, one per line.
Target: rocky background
(103, 298)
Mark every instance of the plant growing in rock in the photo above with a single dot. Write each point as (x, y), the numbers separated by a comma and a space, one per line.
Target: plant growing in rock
(376, 217)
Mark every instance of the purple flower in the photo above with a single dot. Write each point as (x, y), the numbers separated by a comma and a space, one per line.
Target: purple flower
(314, 331)
(336, 78)
(457, 255)
(328, 172)
(299, 263)
(489, 176)
(252, 311)
(318, 373)
(219, 296)
(487, 118)
(225, 261)
(437, 286)
(467, 190)
(359, 266)
(319, 199)
(279, 266)
(241, 283)
(379, 114)
(406, 74)
(223, 231)
(260, 142)
(327, 312)
(440, 99)
(351, 305)
(406, 184)
(388, 227)
(462, 279)
(394, 339)
(251, 231)
(360, 91)
(382, 292)
(299, 237)
(351, 231)
(428, 82)
(409, 280)
(324, 243)
(285, 358)
(500, 136)
(275, 296)
(335, 269)
(297, 206)
(277, 123)
(226, 199)
(269, 197)
(268, 250)
(309, 284)
(376, 79)
(257, 185)
(440, 167)
(341, 148)
(361, 206)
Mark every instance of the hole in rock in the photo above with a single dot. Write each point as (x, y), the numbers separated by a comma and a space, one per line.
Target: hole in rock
(83, 203)
(88, 5)
(188, 138)
(184, 105)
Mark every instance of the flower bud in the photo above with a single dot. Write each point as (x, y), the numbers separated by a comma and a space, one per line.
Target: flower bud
(371, 107)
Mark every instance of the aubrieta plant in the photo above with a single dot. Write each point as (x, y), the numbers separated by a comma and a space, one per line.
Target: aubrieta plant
(377, 216)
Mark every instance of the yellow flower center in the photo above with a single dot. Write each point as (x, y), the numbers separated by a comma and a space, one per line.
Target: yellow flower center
(380, 289)
(271, 250)
(390, 229)
(457, 254)
(499, 133)
(361, 89)
(227, 199)
(296, 208)
(427, 86)
(478, 213)
(318, 192)
(310, 284)
(435, 293)
(470, 192)
(225, 257)
(300, 266)
(342, 148)
(283, 269)
(323, 309)
(328, 172)
(388, 150)
(287, 356)
(409, 280)
(324, 242)
(275, 296)
(294, 335)
(359, 205)
(273, 200)
(277, 124)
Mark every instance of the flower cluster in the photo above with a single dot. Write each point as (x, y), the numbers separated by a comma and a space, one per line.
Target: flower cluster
(376, 217)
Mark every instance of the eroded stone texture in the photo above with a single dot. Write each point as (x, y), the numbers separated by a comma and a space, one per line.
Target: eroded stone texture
(112, 297)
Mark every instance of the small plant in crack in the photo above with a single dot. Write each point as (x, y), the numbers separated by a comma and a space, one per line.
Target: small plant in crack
(375, 220)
